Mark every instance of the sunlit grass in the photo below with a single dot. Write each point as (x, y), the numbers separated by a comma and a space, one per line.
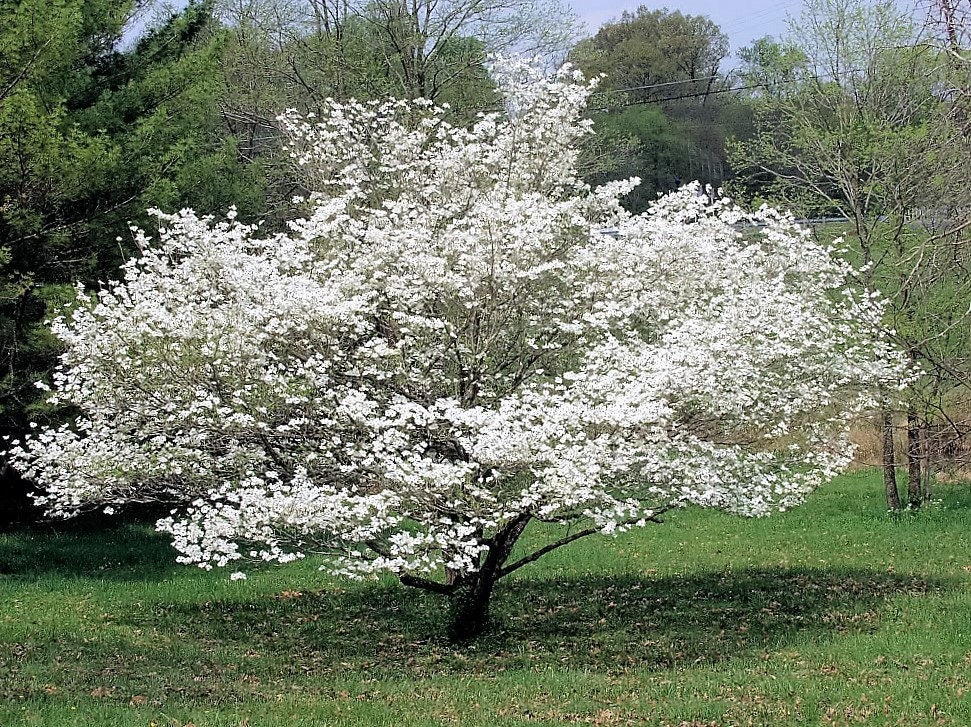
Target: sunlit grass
(831, 614)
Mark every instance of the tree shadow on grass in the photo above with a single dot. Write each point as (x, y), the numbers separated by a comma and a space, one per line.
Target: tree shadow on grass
(597, 623)
(123, 553)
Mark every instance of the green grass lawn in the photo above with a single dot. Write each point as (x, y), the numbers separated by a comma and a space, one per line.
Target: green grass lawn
(831, 614)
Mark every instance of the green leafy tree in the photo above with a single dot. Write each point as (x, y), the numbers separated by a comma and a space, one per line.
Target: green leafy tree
(768, 66)
(648, 145)
(645, 48)
(664, 99)
(46, 165)
(159, 105)
(90, 136)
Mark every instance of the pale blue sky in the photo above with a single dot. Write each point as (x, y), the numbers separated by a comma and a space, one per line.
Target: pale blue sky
(741, 20)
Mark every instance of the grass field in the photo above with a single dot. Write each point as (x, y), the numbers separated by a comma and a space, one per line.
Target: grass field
(832, 614)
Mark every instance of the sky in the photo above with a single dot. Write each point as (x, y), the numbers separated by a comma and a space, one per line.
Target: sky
(741, 20)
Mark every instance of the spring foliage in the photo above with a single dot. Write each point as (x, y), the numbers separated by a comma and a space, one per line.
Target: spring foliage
(449, 343)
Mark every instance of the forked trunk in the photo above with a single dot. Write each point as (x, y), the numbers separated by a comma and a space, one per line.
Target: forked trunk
(889, 462)
(470, 601)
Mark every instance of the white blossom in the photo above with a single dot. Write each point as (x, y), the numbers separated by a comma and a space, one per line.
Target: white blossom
(448, 341)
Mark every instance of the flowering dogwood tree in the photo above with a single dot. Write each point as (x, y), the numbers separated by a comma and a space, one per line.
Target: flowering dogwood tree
(448, 347)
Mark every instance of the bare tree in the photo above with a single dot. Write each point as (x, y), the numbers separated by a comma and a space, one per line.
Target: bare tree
(281, 54)
(414, 48)
(426, 42)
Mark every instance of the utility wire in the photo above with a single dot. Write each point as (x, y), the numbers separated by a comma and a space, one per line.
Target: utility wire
(683, 96)
(712, 92)
(659, 85)
(756, 18)
(680, 97)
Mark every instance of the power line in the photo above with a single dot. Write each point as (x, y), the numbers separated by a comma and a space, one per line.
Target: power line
(681, 97)
(713, 92)
(758, 17)
(658, 85)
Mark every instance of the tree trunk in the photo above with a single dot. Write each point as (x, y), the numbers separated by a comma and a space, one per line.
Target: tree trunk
(470, 608)
(914, 460)
(889, 463)
(470, 602)
(927, 467)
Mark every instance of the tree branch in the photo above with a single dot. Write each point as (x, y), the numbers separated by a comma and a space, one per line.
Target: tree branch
(546, 549)
(425, 584)
(9, 88)
(566, 540)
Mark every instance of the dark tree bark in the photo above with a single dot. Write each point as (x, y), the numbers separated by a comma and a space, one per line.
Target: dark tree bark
(471, 594)
(470, 608)
(470, 600)
(889, 462)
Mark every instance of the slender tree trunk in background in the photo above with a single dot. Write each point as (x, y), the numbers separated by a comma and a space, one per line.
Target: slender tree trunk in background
(915, 495)
(889, 463)
(927, 469)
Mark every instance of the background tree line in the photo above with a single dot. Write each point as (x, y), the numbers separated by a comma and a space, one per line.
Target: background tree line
(860, 113)
(861, 116)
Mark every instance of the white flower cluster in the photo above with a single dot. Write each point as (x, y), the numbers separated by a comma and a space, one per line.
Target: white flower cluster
(447, 343)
